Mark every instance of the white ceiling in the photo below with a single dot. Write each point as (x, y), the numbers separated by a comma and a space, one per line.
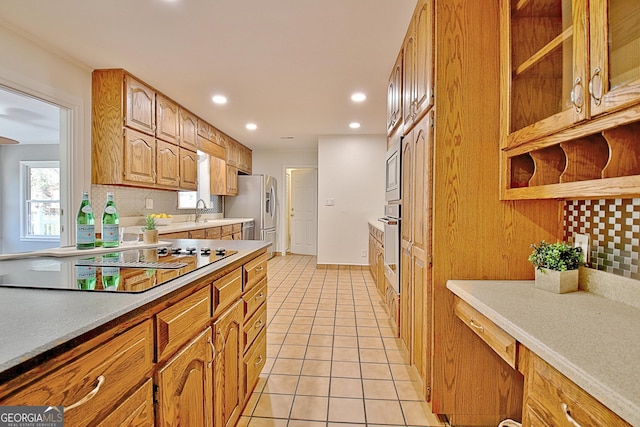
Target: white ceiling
(290, 66)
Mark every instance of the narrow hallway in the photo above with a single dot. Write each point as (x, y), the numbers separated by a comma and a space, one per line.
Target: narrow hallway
(333, 360)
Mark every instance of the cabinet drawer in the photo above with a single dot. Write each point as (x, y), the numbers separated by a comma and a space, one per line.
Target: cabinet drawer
(136, 410)
(554, 398)
(197, 234)
(214, 233)
(501, 342)
(178, 324)
(227, 290)
(236, 228)
(255, 298)
(237, 236)
(227, 230)
(108, 372)
(255, 270)
(137, 282)
(254, 326)
(254, 361)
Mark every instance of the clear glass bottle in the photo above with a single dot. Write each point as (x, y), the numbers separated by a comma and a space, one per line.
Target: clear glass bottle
(86, 277)
(110, 275)
(85, 225)
(110, 224)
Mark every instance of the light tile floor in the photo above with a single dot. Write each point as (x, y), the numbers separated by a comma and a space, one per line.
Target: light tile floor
(333, 360)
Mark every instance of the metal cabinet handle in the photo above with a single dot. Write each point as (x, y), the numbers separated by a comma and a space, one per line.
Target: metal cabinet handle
(258, 361)
(260, 296)
(259, 269)
(213, 352)
(567, 414)
(89, 395)
(475, 325)
(576, 95)
(258, 324)
(597, 87)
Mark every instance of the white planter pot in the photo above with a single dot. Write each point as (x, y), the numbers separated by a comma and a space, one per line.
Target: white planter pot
(559, 282)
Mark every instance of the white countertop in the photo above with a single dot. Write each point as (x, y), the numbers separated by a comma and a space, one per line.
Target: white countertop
(593, 341)
(191, 225)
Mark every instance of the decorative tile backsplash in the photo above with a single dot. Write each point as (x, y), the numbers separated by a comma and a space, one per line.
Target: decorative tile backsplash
(613, 226)
(130, 201)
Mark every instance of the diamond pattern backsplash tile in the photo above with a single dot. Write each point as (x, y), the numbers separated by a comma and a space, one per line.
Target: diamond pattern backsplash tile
(613, 227)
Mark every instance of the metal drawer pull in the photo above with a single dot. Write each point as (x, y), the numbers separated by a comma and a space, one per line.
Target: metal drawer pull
(259, 269)
(89, 395)
(257, 297)
(565, 409)
(258, 324)
(477, 326)
(258, 361)
(213, 352)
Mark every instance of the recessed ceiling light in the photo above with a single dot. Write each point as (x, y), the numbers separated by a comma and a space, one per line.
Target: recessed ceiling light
(219, 99)
(252, 126)
(358, 97)
(354, 125)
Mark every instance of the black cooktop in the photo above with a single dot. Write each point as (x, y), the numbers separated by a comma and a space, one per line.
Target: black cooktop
(129, 271)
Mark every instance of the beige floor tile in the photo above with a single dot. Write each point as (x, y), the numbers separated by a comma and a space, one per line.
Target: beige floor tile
(321, 340)
(287, 366)
(346, 387)
(383, 411)
(345, 369)
(302, 320)
(295, 339)
(349, 342)
(273, 406)
(326, 321)
(397, 356)
(367, 322)
(318, 353)
(404, 372)
(326, 313)
(409, 390)
(419, 414)
(342, 354)
(278, 327)
(346, 425)
(318, 368)
(251, 404)
(372, 355)
(292, 351)
(376, 371)
(366, 331)
(370, 342)
(346, 410)
(275, 337)
(281, 384)
(345, 321)
(322, 330)
(299, 329)
(313, 386)
(306, 423)
(267, 422)
(379, 389)
(346, 331)
(273, 350)
(306, 313)
(310, 408)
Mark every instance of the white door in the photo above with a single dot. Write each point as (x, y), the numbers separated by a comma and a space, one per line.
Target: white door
(303, 216)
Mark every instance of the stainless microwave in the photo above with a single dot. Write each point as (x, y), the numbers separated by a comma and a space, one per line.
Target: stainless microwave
(393, 174)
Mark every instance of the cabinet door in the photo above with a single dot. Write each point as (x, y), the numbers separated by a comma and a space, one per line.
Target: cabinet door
(167, 120)
(139, 157)
(168, 164)
(140, 106)
(218, 176)
(408, 78)
(232, 153)
(394, 96)
(188, 130)
(197, 234)
(545, 67)
(228, 375)
(232, 181)
(188, 170)
(185, 385)
(423, 83)
(204, 130)
(614, 45)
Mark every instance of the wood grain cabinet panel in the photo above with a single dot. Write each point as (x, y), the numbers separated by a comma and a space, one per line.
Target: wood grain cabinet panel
(253, 326)
(232, 181)
(255, 271)
(167, 164)
(188, 169)
(227, 290)
(197, 234)
(135, 411)
(167, 120)
(254, 298)
(218, 177)
(108, 374)
(188, 130)
(213, 233)
(139, 158)
(140, 106)
(253, 362)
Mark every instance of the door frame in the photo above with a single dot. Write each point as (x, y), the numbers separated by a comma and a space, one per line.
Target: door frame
(284, 203)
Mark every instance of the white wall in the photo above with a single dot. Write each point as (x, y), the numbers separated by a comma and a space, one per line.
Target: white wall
(274, 163)
(350, 171)
(38, 71)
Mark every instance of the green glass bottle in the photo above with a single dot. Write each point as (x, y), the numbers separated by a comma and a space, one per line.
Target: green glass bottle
(85, 225)
(110, 224)
(110, 275)
(86, 277)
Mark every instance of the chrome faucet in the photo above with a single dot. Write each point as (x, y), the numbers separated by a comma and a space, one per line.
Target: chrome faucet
(198, 211)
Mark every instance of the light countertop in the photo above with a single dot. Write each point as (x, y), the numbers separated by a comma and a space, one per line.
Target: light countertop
(35, 321)
(592, 340)
(178, 226)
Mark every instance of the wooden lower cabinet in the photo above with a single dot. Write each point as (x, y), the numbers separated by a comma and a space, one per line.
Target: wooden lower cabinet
(185, 385)
(228, 373)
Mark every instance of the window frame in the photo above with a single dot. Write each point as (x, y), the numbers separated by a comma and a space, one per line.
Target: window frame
(25, 199)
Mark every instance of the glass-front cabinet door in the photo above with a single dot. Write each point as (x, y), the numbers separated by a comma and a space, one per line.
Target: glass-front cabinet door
(547, 66)
(615, 54)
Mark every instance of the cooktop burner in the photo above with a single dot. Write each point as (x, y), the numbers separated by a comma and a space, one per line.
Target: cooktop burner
(130, 271)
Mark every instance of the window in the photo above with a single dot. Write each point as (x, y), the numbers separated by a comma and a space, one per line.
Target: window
(40, 219)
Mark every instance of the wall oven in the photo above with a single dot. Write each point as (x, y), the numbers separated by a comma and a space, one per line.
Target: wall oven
(391, 221)
(393, 174)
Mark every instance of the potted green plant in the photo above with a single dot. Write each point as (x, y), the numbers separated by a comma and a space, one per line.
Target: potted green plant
(556, 266)
(149, 231)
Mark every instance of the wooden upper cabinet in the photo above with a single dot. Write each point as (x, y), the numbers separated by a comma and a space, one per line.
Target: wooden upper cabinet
(232, 153)
(394, 96)
(167, 120)
(614, 30)
(168, 164)
(417, 65)
(140, 106)
(220, 138)
(188, 130)
(232, 181)
(205, 130)
(188, 170)
(218, 176)
(139, 157)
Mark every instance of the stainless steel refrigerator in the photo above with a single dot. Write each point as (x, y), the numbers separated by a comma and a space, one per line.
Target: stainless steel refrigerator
(257, 199)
